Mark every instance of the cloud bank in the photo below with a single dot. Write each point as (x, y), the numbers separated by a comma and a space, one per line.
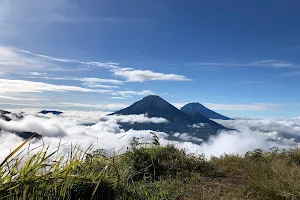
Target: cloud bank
(107, 134)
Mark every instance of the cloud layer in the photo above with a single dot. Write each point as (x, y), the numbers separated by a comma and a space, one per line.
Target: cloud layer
(107, 134)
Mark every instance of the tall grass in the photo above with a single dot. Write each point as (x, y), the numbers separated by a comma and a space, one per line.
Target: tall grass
(148, 171)
(48, 175)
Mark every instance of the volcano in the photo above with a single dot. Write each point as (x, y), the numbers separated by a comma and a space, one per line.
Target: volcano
(202, 110)
(178, 121)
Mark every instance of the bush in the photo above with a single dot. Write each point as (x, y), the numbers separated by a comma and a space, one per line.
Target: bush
(161, 162)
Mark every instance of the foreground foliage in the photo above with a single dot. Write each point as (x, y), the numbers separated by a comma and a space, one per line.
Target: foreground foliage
(149, 171)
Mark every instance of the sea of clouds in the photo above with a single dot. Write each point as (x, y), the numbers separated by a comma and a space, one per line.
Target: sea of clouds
(105, 133)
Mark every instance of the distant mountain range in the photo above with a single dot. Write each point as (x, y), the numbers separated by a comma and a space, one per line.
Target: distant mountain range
(199, 108)
(194, 124)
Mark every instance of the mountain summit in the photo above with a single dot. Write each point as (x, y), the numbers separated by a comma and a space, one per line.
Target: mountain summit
(199, 108)
(178, 121)
(155, 106)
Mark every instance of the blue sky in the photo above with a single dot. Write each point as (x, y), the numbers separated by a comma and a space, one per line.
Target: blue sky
(240, 58)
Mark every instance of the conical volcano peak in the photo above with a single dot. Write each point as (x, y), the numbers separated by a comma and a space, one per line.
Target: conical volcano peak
(154, 100)
(196, 107)
(195, 104)
(154, 105)
(153, 97)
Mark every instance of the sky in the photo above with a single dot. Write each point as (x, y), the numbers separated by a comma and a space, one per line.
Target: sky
(240, 58)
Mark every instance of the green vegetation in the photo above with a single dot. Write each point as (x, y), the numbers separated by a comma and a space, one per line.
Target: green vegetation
(149, 171)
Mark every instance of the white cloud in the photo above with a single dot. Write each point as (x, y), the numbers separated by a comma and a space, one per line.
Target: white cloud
(45, 127)
(15, 61)
(98, 80)
(22, 86)
(37, 66)
(12, 61)
(20, 98)
(100, 86)
(134, 119)
(23, 104)
(187, 137)
(102, 106)
(286, 128)
(272, 63)
(119, 97)
(199, 125)
(20, 93)
(246, 138)
(129, 93)
(106, 133)
(37, 74)
(64, 60)
(261, 63)
(86, 81)
(132, 75)
(57, 126)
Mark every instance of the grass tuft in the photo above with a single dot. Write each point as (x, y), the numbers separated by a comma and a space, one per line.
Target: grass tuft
(149, 171)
